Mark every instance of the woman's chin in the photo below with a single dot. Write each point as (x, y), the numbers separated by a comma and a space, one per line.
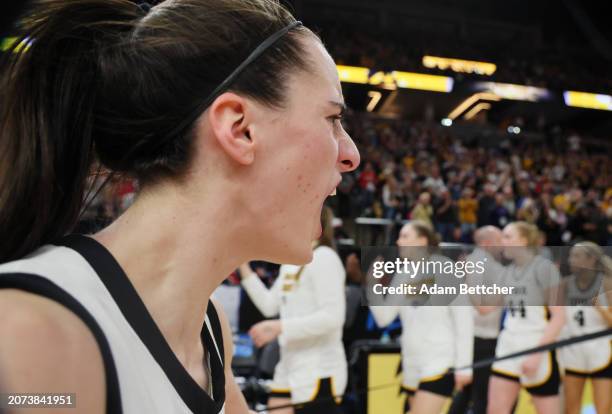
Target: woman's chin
(291, 253)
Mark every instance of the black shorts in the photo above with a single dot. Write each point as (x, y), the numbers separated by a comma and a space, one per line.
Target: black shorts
(324, 401)
(545, 389)
(280, 394)
(442, 385)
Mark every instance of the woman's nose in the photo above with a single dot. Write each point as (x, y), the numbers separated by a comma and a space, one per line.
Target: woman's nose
(348, 155)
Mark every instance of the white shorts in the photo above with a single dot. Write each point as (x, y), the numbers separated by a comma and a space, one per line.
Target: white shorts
(304, 386)
(589, 359)
(545, 381)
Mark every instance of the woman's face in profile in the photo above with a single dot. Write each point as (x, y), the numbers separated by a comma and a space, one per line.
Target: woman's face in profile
(512, 241)
(302, 150)
(411, 244)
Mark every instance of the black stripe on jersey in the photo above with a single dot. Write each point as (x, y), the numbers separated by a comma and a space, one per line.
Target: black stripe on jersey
(43, 287)
(217, 333)
(135, 312)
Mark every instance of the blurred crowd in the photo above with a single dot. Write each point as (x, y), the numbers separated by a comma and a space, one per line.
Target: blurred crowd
(558, 66)
(421, 171)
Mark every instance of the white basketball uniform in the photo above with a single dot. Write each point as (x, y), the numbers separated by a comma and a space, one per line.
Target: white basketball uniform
(311, 302)
(526, 318)
(591, 358)
(142, 373)
(434, 338)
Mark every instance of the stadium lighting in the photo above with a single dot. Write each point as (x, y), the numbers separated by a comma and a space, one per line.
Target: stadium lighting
(423, 82)
(8, 42)
(395, 79)
(446, 122)
(514, 92)
(459, 65)
(476, 109)
(353, 74)
(375, 98)
(514, 130)
(588, 100)
(463, 106)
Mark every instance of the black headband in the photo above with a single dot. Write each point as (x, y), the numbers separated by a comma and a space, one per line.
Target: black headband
(254, 55)
(222, 87)
(258, 51)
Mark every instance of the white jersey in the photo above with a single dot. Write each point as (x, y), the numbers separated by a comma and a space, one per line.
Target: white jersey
(311, 303)
(582, 317)
(527, 315)
(434, 338)
(527, 307)
(589, 357)
(142, 373)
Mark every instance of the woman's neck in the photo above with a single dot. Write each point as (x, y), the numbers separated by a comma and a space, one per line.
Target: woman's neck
(175, 261)
(524, 256)
(585, 277)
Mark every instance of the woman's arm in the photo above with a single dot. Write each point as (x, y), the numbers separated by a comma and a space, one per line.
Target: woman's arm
(605, 311)
(45, 348)
(463, 326)
(266, 300)
(234, 399)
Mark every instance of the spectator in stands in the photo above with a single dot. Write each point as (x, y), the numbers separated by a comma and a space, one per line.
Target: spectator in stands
(500, 216)
(423, 211)
(486, 205)
(445, 216)
(434, 183)
(468, 208)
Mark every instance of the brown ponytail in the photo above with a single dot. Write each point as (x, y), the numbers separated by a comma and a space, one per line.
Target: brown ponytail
(48, 86)
(103, 80)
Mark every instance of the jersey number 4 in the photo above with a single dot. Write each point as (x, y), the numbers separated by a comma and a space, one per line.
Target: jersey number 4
(579, 317)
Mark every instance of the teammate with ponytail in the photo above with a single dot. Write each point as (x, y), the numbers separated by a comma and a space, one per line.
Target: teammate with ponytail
(532, 319)
(588, 296)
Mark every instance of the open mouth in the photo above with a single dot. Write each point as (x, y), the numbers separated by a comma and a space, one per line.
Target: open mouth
(333, 191)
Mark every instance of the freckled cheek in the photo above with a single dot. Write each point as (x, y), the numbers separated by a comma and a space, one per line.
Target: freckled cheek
(313, 169)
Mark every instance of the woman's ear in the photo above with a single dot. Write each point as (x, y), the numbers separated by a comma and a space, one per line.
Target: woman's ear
(229, 120)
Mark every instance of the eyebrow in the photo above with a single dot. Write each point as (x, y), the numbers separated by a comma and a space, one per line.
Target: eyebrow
(341, 105)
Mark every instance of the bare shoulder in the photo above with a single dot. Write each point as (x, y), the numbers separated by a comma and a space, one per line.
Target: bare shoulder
(47, 349)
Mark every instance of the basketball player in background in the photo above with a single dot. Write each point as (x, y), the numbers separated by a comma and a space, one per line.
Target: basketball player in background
(532, 319)
(311, 302)
(434, 338)
(588, 295)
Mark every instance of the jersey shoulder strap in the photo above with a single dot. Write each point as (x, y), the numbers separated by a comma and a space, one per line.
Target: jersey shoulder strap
(41, 286)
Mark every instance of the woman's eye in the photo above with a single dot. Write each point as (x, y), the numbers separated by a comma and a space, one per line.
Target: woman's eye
(335, 119)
